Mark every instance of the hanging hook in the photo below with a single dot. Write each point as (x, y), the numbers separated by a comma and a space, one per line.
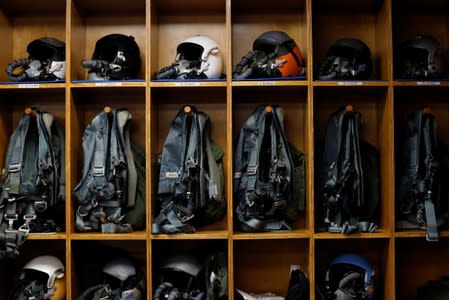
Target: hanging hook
(348, 108)
(268, 109)
(187, 109)
(426, 110)
(107, 109)
(30, 111)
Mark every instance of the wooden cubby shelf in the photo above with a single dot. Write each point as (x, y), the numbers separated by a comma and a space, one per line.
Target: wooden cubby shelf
(257, 262)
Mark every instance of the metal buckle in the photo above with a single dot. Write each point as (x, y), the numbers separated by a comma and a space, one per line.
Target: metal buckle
(40, 205)
(13, 168)
(14, 218)
(29, 217)
(251, 170)
(25, 228)
(98, 171)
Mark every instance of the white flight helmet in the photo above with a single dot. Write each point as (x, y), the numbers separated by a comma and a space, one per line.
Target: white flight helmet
(125, 273)
(47, 271)
(197, 57)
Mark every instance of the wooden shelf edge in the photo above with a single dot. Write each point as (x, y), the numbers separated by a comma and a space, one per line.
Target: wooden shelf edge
(137, 235)
(295, 234)
(106, 84)
(418, 234)
(381, 234)
(255, 83)
(47, 236)
(181, 83)
(201, 235)
(354, 83)
(423, 83)
(33, 85)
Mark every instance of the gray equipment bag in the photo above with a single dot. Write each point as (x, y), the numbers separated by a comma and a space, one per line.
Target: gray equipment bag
(111, 193)
(191, 179)
(269, 174)
(33, 181)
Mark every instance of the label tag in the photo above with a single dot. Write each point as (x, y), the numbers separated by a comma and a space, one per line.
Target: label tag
(213, 190)
(428, 83)
(266, 83)
(351, 83)
(29, 85)
(237, 175)
(171, 175)
(187, 83)
(108, 84)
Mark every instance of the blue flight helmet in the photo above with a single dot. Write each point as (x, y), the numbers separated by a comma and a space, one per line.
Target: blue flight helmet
(350, 276)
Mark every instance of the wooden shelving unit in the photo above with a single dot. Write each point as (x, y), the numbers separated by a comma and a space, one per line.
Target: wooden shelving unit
(257, 262)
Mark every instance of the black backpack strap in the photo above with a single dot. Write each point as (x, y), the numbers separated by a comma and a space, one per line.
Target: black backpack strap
(431, 167)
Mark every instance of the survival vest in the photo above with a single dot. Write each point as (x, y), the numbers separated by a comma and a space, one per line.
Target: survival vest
(33, 180)
(420, 204)
(269, 174)
(349, 177)
(111, 193)
(191, 180)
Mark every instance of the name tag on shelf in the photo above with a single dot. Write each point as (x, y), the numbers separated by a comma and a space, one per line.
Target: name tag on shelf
(428, 83)
(29, 85)
(350, 83)
(266, 83)
(187, 84)
(108, 84)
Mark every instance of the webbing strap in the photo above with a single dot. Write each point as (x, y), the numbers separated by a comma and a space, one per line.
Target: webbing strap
(15, 165)
(257, 138)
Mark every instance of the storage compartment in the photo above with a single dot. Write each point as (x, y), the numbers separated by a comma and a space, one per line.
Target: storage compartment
(14, 104)
(89, 257)
(367, 21)
(172, 22)
(252, 18)
(418, 261)
(406, 101)
(414, 17)
(191, 261)
(92, 20)
(165, 105)
(85, 104)
(264, 265)
(373, 103)
(22, 22)
(28, 251)
(293, 101)
(375, 251)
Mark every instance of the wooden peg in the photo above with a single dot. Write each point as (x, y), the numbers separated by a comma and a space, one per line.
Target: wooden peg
(268, 109)
(348, 108)
(107, 109)
(187, 109)
(30, 111)
(426, 110)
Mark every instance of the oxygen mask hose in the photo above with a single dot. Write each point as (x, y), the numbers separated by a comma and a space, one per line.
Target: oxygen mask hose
(14, 65)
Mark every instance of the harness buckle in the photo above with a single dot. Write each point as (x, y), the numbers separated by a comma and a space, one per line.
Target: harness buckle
(11, 218)
(98, 171)
(251, 170)
(13, 168)
(40, 205)
(25, 228)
